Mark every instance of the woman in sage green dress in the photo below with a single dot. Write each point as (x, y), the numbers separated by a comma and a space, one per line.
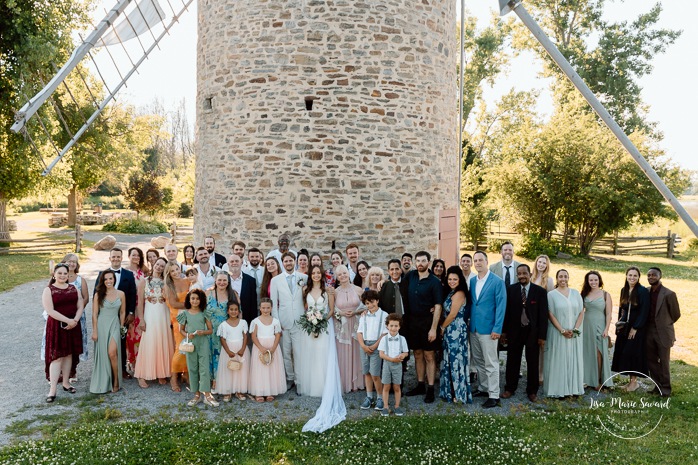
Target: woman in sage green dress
(564, 368)
(597, 321)
(108, 314)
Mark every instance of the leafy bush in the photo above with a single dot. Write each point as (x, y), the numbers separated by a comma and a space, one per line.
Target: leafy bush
(693, 244)
(184, 210)
(495, 245)
(109, 202)
(135, 226)
(533, 245)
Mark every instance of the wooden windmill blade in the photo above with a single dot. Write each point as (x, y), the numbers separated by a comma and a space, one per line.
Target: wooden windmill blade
(143, 23)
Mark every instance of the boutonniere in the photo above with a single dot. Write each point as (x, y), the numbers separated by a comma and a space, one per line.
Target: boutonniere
(300, 282)
(533, 302)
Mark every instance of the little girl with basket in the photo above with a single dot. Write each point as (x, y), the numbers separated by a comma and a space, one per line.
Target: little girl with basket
(267, 376)
(196, 328)
(234, 364)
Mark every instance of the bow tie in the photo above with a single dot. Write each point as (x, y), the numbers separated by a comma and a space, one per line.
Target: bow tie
(371, 315)
(116, 271)
(396, 338)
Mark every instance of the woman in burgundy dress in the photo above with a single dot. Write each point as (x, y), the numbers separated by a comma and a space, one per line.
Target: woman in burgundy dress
(63, 303)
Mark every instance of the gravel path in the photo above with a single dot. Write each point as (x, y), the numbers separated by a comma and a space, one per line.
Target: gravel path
(23, 387)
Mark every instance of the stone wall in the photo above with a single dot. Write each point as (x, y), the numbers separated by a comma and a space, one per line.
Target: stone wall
(329, 120)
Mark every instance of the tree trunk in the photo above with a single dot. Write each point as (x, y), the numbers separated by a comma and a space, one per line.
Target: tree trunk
(4, 226)
(74, 205)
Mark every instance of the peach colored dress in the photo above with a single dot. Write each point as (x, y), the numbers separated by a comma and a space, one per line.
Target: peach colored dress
(154, 359)
(179, 361)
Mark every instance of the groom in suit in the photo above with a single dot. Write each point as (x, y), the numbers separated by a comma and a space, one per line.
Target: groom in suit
(287, 306)
(486, 320)
(126, 282)
(525, 327)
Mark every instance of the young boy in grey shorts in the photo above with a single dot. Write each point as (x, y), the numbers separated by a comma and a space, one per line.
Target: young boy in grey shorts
(371, 330)
(393, 350)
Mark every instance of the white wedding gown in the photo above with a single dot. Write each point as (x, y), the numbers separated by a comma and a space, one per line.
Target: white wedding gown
(311, 369)
(332, 410)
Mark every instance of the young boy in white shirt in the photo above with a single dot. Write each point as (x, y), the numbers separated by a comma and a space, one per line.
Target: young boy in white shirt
(393, 350)
(371, 330)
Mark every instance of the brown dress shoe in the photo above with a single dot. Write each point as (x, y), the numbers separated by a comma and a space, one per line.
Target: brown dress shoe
(507, 394)
(532, 397)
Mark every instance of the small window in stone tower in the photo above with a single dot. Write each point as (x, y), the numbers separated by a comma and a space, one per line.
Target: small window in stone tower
(208, 104)
(309, 103)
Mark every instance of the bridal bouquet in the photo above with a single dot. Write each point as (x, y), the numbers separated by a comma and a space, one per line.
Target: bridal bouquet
(313, 321)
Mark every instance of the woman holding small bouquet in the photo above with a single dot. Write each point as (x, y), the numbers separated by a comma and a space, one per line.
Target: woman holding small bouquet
(315, 339)
(563, 371)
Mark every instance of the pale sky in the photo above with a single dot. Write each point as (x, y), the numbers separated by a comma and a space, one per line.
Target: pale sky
(170, 73)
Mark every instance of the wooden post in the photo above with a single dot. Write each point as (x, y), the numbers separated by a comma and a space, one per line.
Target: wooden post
(78, 238)
(173, 232)
(671, 243)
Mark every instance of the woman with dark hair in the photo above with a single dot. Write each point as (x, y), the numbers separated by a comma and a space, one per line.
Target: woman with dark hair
(217, 300)
(316, 259)
(137, 266)
(108, 316)
(151, 255)
(633, 312)
(154, 360)
(189, 255)
(361, 278)
(271, 269)
(438, 269)
(564, 363)
(336, 259)
(312, 367)
(454, 385)
(175, 291)
(302, 261)
(63, 304)
(597, 320)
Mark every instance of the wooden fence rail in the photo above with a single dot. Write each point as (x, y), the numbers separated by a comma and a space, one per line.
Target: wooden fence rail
(41, 244)
(615, 245)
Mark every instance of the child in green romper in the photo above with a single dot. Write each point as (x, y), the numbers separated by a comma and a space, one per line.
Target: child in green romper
(196, 326)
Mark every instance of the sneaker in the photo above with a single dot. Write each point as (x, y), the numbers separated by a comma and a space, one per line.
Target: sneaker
(379, 404)
(399, 411)
(366, 404)
(194, 401)
(210, 400)
(385, 412)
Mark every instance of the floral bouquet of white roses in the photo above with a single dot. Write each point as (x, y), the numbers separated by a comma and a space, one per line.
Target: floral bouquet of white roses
(313, 321)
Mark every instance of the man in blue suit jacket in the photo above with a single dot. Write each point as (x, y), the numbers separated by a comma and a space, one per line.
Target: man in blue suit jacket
(126, 282)
(489, 299)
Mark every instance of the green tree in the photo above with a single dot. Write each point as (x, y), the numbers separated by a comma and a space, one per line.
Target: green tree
(144, 193)
(611, 57)
(33, 36)
(553, 175)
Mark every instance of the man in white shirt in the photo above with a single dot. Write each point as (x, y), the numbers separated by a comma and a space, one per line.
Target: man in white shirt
(171, 252)
(239, 250)
(352, 251)
(284, 243)
(255, 269)
(506, 268)
(207, 271)
(466, 263)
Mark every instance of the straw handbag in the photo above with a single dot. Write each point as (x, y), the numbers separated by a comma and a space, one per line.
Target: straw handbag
(235, 365)
(185, 346)
(266, 357)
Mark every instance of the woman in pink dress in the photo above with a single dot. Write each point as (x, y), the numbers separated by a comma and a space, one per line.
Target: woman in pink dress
(347, 305)
(154, 360)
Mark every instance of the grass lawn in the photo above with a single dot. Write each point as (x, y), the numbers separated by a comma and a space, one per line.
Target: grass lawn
(555, 432)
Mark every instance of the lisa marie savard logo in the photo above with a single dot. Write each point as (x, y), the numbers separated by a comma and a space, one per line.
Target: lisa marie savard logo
(629, 416)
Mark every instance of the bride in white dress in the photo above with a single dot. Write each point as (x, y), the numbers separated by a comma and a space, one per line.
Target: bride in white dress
(312, 369)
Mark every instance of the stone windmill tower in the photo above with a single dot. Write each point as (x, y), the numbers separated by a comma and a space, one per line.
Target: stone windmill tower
(333, 120)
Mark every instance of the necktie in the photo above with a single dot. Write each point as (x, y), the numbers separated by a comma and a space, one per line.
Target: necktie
(524, 318)
(507, 276)
(398, 300)
(289, 280)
